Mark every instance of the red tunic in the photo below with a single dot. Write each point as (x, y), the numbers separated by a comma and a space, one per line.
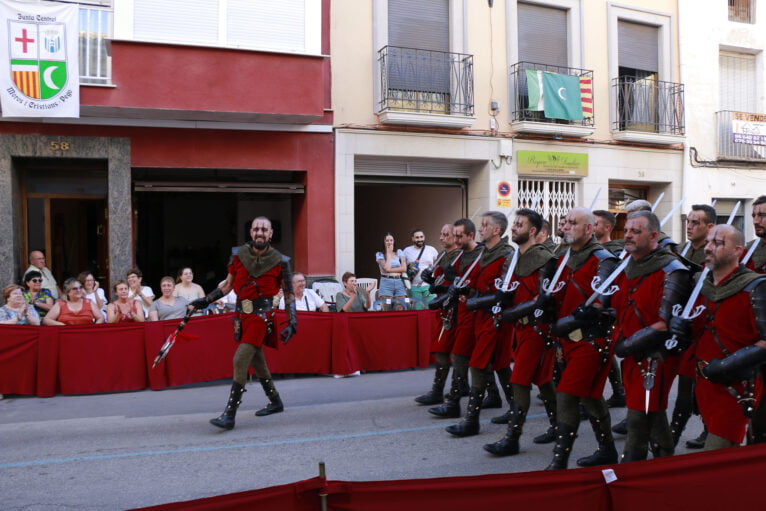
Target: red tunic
(484, 324)
(638, 304)
(584, 375)
(442, 340)
(465, 336)
(733, 321)
(534, 363)
(247, 288)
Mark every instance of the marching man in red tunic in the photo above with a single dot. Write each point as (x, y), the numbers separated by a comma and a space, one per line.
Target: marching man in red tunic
(653, 282)
(256, 274)
(731, 339)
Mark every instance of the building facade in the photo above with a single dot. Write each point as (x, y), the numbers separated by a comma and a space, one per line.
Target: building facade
(722, 64)
(195, 117)
(435, 114)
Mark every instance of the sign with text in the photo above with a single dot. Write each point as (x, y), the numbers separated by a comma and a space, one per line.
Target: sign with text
(748, 128)
(39, 71)
(551, 163)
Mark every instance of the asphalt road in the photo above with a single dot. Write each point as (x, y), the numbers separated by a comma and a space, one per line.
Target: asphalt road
(135, 449)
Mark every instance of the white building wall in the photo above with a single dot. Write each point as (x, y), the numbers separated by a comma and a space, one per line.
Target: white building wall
(703, 34)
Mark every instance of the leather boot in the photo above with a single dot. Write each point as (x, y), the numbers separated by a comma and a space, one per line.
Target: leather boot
(505, 384)
(637, 443)
(618, 391)
(621, 428)
(493, 394)
(605, 454)
(451, 407)
(469, 426)
(699, 442)
(226, 419)
(509, 444)
(550, 435)
(618, 398)
(565, 437)
(677, 425)
(275, 402)
(436, 394)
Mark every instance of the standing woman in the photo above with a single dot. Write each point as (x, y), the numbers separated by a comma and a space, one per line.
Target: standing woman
(124, 309)
(392, 265)
(350, 300)
(74, 310)
(167, 306)
(92, 291)
(186, 288)
(16, 310)
(36, 294)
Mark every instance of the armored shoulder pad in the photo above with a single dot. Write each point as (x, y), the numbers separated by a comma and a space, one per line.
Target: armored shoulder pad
(674, 265)
(757, 290)
(756, 284)
(285, 259)
(602, 254)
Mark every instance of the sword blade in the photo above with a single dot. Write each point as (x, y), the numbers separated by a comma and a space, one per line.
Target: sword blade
(750, 252)
(672, 211)
(607, 282)
(686, 248)
(646, 401)
(559, 270)
(511, 268)
(695, 293)
(593, 203)
(657, 202)
(734, 212)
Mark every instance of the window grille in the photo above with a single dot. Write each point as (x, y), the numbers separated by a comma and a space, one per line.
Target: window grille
(551, 198)
(742, 11)
(95, 30)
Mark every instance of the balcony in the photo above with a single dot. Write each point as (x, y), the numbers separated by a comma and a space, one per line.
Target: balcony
(648, 111)
(738, 136)
(525, 120)
(425, 88)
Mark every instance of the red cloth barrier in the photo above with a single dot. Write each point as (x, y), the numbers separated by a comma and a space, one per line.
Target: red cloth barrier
(108, 358)
(725, 479)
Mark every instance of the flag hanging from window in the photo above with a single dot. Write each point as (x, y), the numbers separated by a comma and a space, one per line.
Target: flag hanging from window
(39, 71)
(559, 96)
(586, 95)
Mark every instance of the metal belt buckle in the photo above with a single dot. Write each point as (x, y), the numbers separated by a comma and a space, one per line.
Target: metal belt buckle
(247, 306)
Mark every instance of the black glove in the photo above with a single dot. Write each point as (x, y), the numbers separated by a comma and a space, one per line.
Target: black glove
(504, 297)
(681, 328)
(450, 273)
(289, 331)
(201, 303)
(427, 276)
(464, 290)
(586, 313)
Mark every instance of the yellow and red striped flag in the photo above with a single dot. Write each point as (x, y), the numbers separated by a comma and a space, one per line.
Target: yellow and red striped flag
(586, 95)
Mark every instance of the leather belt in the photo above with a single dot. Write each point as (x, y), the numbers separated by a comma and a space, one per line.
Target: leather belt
(259, 305)
(391, 275)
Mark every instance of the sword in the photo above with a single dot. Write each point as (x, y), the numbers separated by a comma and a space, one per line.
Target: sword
(171, 340)
(554, 286)
(593, 204)
(686, 248)
(689, 311)
(657, 202)
(672, 211)
(750, 252)
(504, 284)
(464, 280)
(605, 288)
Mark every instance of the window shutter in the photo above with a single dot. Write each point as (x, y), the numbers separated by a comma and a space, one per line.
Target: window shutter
(543, 36)
(182, 21)
(266, 24)
(638, 46)
(423, 24)
(737, 82)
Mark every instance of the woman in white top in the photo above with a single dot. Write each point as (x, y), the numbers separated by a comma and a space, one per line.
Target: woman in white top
(392, 265)
(93, 291)
(186, 288)
(137, 291)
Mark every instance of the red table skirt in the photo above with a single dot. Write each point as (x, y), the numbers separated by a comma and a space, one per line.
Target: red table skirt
(44, 361)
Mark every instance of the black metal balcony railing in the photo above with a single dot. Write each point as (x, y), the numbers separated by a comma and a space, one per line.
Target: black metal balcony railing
(520, 93)
(425, 81)
(648, 105)
(728, 149)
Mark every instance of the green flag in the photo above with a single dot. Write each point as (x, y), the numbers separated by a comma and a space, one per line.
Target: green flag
(562, 96)
(535, 89)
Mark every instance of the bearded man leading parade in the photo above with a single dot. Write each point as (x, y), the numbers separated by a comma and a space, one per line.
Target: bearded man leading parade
(256, 273)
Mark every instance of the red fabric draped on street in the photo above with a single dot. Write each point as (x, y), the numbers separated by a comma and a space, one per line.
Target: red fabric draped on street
(44, 361)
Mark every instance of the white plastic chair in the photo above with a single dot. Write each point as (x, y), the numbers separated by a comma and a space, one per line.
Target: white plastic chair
(327, 290)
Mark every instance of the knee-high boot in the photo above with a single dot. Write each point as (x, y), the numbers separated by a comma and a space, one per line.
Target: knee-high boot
(451, 407)
(509, 444)
(436, 394)
(505, 384)
(275, 402)
(605, 454)
(550, 435)
(617, 400)
(637, 443)
(493, 394)
(226, 419)
(469, 426)
(565, 437)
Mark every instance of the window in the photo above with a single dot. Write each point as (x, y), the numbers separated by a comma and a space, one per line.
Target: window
(95, 19)
(543, 35)
(738, 85)
(292, 26)
(742, 11)
(551, 198)
(638, 70)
